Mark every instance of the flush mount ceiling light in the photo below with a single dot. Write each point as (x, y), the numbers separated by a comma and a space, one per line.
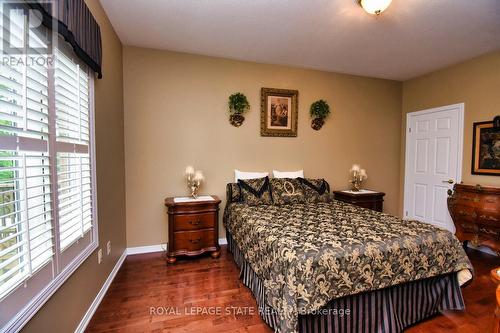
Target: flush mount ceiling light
(374, 6)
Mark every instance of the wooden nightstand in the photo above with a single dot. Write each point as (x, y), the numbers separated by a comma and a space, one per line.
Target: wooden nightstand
(193, 227)
(364, 198)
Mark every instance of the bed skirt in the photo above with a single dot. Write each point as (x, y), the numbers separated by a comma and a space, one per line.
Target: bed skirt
(386, 310)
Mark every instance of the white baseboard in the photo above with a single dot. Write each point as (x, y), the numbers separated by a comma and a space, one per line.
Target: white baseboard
(93, 307)
(483, 249)
(146, 249)
(158, 248)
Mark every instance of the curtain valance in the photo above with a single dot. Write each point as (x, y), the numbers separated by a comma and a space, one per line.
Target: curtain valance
(77, 25)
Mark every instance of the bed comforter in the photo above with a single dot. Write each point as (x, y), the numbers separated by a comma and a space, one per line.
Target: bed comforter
(309, 254)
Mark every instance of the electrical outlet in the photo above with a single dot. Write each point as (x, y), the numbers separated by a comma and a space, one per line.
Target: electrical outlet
(108, 248)
(99, 256)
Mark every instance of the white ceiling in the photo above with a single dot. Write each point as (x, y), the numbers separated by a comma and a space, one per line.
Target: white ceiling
(411, 38)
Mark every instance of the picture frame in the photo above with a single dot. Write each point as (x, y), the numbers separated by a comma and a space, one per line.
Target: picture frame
(279, 112)
(485, 149)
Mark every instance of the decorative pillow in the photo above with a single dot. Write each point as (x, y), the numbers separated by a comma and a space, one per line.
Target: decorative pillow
(248, 175)
(288, 174)
(315, 190)
(255, 191)
(233, 192)
(287, 191)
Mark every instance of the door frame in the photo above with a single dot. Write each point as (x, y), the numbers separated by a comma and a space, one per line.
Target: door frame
(458, 179)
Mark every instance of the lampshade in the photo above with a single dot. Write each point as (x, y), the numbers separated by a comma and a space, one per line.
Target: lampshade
(375, 6)
(198, 175)
(189, 170)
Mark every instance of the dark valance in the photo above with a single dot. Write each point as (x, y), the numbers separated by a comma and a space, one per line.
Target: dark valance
(78, 27)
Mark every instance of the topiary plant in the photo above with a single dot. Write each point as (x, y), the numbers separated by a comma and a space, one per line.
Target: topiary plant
(238, 105)
(319, 111)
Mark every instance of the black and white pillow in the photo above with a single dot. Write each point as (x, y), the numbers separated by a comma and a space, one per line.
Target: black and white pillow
(315, 190)
(255, 191)
(287, 191)
(233, 192)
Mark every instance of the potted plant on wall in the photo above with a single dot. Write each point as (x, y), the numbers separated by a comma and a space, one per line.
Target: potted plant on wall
(319, 111)
(238, 105)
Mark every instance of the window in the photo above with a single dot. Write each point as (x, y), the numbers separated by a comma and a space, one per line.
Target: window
(48, 223)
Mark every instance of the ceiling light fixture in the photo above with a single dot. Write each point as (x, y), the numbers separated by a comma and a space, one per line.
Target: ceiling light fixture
(374, 6)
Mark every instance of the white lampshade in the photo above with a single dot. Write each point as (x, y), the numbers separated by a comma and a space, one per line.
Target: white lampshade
(198, 176)
(375, 6)
(189, 170)
(355, 168)
(363, 174)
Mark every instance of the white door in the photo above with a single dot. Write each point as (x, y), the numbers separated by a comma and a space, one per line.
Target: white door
(433, 163)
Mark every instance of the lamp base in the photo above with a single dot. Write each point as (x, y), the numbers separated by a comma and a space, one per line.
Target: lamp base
(194, 191)
(356, 185)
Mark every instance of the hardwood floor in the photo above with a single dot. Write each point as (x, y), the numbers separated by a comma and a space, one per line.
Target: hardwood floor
(149, 296)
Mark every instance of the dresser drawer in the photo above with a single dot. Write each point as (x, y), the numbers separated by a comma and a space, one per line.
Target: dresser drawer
(194, 221)
(194, 240)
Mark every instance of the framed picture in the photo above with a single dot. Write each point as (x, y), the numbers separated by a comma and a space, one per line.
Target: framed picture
(279, 111)
(486, 149)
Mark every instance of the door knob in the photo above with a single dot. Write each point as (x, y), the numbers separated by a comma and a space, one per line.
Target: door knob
(449, 181)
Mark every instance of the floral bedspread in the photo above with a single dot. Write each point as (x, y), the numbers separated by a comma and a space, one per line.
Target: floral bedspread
(309, 254)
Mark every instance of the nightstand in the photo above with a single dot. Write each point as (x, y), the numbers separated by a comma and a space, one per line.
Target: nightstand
(193, 226)
(364, 198)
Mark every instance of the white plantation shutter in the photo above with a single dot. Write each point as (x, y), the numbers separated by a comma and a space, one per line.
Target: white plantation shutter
(75, 197)
(26, 216)
(48, 223)
(73, 153)
(26, 223)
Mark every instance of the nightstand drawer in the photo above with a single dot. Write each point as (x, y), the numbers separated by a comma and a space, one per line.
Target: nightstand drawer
(194, 221)
(194, 240)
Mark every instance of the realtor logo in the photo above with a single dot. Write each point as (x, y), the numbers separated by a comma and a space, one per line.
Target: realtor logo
(22, 29)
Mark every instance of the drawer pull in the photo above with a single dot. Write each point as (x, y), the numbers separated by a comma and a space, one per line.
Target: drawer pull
(194, 241)
(195, 222)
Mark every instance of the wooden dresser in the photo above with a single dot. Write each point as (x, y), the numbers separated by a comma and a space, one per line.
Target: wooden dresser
(495, 275)
(193, 228)
(369, 199)
(475, 210)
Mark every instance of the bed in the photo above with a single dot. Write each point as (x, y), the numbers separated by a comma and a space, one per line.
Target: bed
(328, 266)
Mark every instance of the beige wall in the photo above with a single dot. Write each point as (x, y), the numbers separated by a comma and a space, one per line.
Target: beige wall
(64, 310)
(175, 115)
(475, 83)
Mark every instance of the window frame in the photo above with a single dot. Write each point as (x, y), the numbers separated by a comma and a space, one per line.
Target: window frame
(61, 271)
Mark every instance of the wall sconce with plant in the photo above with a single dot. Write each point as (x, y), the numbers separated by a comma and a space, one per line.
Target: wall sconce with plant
(319, 112)
(238, 105)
